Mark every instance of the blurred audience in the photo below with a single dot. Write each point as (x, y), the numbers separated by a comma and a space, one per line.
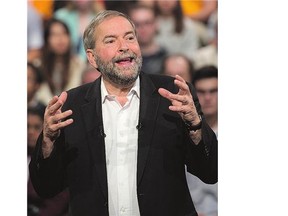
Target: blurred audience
(76, 15)
(90, 74)
(205, 81)
(178, 64)
(35, 29)
(207, 55)
(205, 196)
(61, 68)
(146, 2)
(34, 80)
(176, 32)
(44, 8)
(153, 54)
(199, 10)
(202, 13)
(121, 6)
(174, 39)
(36, 206)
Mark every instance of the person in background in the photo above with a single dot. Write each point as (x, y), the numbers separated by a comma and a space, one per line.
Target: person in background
(34, 80)
(121, 143)
(44, 8)
(199, 10)
(205, 195)
(121, 6)
(205, 81)
(153, 54)
(176, 32)
(76, 15)
(207, 55)
(35, 38)
(178, 64)
(146, 2)
(37, 206)
(61, 68)
(203, 13)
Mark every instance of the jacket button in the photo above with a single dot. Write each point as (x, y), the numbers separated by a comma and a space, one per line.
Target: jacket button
(106, 204)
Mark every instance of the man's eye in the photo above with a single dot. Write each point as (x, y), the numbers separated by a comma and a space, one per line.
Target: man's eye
(131, 38)
(109, 41)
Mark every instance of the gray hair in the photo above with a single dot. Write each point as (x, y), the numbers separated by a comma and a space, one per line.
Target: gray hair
(89, 33)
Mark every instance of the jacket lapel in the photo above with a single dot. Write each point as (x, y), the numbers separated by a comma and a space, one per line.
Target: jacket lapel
(149, 102)
(92, 115)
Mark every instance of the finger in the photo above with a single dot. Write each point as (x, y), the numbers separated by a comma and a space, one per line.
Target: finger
(184, 99)
(52, 101)
(55, 108)
(55, 122)
(61, 116)
(56, 102)
(178, 77)
(175, 99)
(61, 124)
(181, 109)
(63, 97)
(164, 93)
(182, 86)
(59, 103)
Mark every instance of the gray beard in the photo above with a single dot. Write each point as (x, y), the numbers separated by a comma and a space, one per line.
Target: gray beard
(116, 75)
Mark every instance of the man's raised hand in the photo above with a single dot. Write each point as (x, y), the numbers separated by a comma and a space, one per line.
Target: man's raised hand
(54, 120)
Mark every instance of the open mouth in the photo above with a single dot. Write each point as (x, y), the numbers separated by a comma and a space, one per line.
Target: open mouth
(124, 60)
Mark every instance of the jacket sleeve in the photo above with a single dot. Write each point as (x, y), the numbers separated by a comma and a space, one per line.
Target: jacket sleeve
(48, 175)
(202, 159)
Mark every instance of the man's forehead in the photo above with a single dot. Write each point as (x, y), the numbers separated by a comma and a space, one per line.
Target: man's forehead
(114, 23)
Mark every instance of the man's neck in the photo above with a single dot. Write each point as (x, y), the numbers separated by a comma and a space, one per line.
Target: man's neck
(117, 90)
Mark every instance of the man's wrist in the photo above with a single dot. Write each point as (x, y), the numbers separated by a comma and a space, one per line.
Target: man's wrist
(191, 127)
(47, 147)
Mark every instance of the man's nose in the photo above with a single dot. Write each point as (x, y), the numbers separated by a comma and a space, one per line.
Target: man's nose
(123, 46)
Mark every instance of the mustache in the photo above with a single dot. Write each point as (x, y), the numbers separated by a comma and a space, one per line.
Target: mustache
(124, 56)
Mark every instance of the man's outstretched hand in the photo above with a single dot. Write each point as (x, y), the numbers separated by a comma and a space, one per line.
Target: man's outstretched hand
(53, 122)
(182, 102)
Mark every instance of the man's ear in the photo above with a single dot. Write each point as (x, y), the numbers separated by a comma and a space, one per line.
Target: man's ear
(91, 57)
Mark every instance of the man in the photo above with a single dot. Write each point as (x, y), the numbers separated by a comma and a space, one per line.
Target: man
(57, 205)
(34, 80)
(205, 81)
(153, 54)
(121, 143)
(178, 64)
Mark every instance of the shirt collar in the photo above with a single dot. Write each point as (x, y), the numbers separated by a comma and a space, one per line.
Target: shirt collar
(134, 90)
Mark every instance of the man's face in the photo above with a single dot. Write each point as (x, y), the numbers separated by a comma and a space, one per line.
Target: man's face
(145, 23)
(59, 40)
(117, 52)
(177, 66)
(207, 92)
(32, 85)
(34, 127)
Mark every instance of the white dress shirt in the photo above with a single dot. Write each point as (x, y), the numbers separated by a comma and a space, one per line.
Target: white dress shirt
(121, 143)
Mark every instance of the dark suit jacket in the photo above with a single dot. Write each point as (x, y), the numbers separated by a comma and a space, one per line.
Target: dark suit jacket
(164, 148)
